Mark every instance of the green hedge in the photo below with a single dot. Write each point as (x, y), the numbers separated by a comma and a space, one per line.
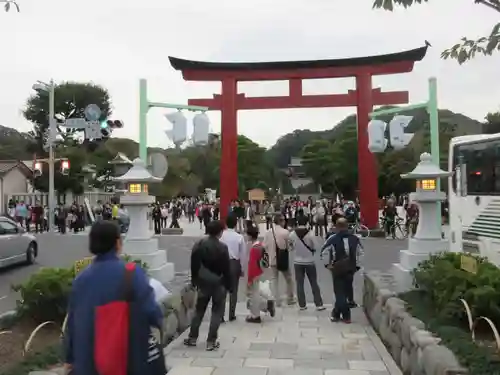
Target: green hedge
(441, 283)
(445, 283)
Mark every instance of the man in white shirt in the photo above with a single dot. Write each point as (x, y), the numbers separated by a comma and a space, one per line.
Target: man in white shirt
(278, 236)
(236, 246)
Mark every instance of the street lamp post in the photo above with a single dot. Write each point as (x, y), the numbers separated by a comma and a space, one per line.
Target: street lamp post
(50, 89)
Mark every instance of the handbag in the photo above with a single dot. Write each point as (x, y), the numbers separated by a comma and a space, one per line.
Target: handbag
(282, 256)
(206, 276)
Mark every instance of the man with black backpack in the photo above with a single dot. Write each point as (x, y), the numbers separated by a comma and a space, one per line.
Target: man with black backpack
(210, 273)
(341, 254)
(302, 246)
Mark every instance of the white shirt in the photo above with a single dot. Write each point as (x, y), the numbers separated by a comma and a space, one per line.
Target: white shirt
(235, 244)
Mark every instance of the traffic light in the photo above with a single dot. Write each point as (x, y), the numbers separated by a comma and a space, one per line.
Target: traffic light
(65, 167)
(399, 139)
(37, 169)
(107, 127)
(376, 136)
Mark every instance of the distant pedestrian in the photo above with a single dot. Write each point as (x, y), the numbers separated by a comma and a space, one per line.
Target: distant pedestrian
(303, 248)
(341, 253)
(258, 260)
(210, 273)
(236, 245)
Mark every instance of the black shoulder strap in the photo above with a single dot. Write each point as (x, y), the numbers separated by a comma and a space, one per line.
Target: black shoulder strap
(128, 292)
(304, 243)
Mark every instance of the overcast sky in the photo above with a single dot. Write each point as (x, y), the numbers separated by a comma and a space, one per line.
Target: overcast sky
(116, 42)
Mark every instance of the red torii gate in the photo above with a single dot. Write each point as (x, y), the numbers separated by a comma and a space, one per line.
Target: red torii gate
(364, 98)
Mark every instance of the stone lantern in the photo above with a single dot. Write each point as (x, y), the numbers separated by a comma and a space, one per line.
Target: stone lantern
(140, 242)
(428, 239)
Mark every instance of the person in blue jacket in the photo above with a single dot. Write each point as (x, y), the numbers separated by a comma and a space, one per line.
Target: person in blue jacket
(102, 283)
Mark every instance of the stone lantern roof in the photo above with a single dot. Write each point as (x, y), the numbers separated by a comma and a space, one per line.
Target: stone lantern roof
(138, 173)
(426, 169)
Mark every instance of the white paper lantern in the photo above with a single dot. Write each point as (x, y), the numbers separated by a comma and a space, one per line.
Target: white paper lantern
(179, 127)
(201, 129)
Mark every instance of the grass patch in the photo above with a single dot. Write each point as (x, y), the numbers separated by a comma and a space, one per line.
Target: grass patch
(44, 359)
(479, 358)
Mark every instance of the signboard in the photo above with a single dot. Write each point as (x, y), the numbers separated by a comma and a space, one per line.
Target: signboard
(468, 263)
(75, 123)
(81, 264)
(256, 195)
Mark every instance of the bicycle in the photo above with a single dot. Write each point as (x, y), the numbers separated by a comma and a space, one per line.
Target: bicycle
(397, 229)
(359, 229)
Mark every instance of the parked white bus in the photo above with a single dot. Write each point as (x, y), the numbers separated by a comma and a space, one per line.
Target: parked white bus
(474, 195)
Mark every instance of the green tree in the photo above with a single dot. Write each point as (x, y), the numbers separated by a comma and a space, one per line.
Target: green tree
(467, 48)
(492, 124)
(70, 100)
(318, 160)
(9, 4)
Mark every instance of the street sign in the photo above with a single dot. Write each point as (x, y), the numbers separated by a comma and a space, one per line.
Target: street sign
(93, 130)
(75, 123)
(92, 112)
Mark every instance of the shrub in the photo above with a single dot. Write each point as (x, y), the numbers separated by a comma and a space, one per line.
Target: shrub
(127, 258)
(44, 296)
(479, 360)
(445, 283)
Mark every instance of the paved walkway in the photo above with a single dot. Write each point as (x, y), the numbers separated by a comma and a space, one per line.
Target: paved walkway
(292, 343)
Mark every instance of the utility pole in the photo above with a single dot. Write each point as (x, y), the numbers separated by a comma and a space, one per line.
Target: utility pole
(52, 135)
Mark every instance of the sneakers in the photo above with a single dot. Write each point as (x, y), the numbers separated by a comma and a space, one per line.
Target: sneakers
(190, 342)
(318, 308)
(251, 319)
(211, 346)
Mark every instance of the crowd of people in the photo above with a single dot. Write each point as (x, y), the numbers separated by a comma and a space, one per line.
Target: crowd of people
(225, 256)
(232, 252)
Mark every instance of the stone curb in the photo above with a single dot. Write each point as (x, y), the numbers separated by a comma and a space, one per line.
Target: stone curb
(415, 350)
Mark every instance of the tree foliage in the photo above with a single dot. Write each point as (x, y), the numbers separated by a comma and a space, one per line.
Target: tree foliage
(70, 100)
(467, 48)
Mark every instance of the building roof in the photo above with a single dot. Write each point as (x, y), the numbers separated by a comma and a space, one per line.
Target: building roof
(120, 158)
(8, 165)
(416, 54)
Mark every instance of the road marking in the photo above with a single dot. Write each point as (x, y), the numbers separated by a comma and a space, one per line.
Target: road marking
(4, 297)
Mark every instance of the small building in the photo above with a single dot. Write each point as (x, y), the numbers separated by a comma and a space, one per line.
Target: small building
(121, 165)
(15, 178)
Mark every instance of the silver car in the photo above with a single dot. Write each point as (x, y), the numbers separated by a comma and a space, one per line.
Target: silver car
(16, 245)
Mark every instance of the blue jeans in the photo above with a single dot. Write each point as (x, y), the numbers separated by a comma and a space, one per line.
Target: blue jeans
(341, 285)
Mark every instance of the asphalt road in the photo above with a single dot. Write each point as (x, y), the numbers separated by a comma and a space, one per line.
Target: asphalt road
(63, 250)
